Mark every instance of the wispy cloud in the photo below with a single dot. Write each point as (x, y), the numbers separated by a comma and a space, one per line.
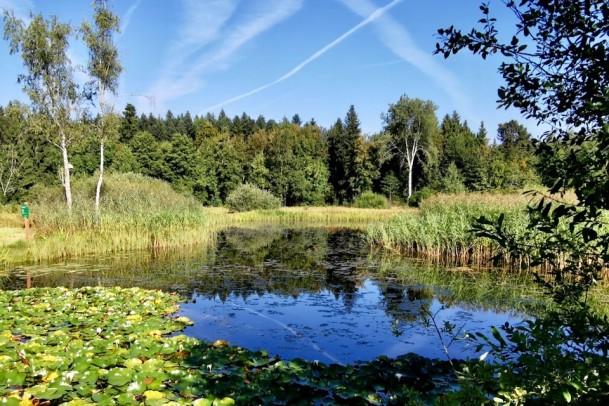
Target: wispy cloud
(21, 8)
(372, 16)
(395, 37)
(126, 19)
(209, 39)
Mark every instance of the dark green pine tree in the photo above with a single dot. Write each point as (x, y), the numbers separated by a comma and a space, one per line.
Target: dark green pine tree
(342, 154)
(335, 167)
(461, 148)
(296, 120)
(130, 124)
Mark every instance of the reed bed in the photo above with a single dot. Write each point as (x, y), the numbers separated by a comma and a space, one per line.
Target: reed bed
(10, 216)
(136, 213)
(440, 230)
(319, 215)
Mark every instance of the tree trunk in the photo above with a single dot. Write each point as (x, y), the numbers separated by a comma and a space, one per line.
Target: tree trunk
(66, 173)
(101, 178)
(410, 166)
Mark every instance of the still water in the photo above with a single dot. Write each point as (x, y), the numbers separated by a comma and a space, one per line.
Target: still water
(313, 293)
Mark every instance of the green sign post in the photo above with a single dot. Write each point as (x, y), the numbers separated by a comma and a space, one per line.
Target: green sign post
(25, 211)
(25, 214)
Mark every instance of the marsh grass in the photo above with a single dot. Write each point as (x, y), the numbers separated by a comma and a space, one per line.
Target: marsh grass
(440, 230)
(136, 213)
(10, 217)
(323, 215)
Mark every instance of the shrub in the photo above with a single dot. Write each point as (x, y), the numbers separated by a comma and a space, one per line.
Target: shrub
(420, 195)
(371, 200)
(249, 197)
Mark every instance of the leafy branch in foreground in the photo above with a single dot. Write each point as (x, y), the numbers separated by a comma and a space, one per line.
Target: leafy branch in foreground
(555, 72)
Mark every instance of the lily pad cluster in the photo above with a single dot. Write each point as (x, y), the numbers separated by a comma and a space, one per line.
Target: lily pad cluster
(115, 346)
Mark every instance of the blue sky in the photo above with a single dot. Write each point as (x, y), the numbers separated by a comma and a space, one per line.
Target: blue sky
(278, 58)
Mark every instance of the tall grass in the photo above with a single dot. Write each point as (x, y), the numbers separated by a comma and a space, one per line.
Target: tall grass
(136, 213)
(317, 215)
(440, 230)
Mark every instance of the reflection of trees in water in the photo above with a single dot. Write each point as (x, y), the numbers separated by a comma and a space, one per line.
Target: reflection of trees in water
(290, 262)
(244, 262)
(283, 262)
(405, 303)
(344, 263)
(17, 278)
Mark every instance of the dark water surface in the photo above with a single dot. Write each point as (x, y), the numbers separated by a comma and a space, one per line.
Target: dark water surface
(316, 294)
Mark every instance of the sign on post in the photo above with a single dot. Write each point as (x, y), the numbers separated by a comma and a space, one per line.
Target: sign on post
(25, 211)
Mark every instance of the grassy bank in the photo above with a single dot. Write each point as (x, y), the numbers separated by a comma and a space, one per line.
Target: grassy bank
(440, 230)
(310, 215)
(139, 213)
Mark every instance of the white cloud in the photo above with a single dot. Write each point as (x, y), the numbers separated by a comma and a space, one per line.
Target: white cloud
(126, 19)
(203, 22)
(212, 34)
(21, 8)
(395, 37)
(373, 15)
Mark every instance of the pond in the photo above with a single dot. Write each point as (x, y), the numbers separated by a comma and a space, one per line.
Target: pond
(313, 293)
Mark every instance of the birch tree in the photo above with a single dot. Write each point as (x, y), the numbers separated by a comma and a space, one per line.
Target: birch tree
(48, 80)
(104, 69)
(411, 124)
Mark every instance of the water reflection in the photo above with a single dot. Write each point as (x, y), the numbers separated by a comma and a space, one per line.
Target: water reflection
(310, 293)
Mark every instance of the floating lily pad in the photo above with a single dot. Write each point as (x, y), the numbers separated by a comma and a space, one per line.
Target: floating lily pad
(112, 346)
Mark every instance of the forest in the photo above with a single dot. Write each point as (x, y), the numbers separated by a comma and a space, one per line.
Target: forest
(301, 163)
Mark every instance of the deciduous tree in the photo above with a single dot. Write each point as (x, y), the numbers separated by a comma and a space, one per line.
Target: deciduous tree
(412, 123)
(48, 80)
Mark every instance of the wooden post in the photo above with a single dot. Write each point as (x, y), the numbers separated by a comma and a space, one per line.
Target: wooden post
(26, 222)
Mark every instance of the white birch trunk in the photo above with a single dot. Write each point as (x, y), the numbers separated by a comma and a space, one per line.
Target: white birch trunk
(101, 177)
(66, 172)
(102, 136)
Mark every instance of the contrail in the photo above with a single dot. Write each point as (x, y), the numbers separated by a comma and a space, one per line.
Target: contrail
(376, 14)
(295, 334)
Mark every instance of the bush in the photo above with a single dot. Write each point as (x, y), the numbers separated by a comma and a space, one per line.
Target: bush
(249, 197)
(371, 200)
(420, 195)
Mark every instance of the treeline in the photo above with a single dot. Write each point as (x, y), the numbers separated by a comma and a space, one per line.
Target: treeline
(301, 163)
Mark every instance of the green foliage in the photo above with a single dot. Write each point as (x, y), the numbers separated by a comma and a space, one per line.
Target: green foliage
(48, 81)
(557, 359)
(342, 155)
(420, 195)
(371, 200)
(248, 197)
(390, 185)
(452, 182)
(413, 127)
(555, 73)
